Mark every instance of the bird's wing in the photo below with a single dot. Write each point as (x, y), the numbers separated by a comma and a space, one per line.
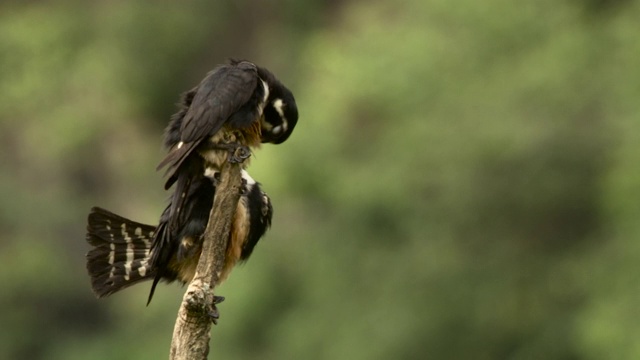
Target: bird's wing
(172, 135)
(186, 215)
(222, 92)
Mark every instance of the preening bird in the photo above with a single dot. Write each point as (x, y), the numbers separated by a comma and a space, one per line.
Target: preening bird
(235, 108)
(236, 105)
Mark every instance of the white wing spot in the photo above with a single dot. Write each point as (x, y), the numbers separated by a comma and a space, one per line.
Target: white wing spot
(112, 253)
(147, 244)
(127, 264)
(129, 253)
(180, 144)
(138, 231)
(125, 234)
(142, 270)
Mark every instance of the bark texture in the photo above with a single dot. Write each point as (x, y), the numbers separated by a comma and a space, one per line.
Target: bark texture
(191, 333)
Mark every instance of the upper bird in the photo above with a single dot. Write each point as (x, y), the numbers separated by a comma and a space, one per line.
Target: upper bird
(237, 105)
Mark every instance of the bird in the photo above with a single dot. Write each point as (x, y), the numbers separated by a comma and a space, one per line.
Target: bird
(125, 252)
(236, 105)
(235, 108)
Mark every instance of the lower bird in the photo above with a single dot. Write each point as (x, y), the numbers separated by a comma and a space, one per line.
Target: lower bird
(126, 252)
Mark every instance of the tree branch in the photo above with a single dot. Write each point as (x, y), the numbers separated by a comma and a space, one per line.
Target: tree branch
(191, 333)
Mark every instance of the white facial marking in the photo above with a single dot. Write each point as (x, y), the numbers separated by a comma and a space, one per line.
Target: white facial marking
(266, 91)
(278, 106)
(265, 125)
(264, 99)
(127, 271)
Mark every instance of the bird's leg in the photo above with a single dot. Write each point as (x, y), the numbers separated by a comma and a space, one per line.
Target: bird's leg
(238, 153)
(213, 311)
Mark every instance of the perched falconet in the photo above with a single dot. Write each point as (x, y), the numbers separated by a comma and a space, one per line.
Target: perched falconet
(124, 252)
(235, 108)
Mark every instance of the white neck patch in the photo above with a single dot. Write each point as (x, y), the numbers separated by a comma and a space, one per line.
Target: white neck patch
(245, 175)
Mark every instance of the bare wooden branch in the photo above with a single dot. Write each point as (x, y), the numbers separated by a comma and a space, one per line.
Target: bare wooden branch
(191, 333)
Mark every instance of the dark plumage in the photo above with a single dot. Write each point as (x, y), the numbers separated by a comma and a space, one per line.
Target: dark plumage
(120, 254)
(237, 103)
(126, 252)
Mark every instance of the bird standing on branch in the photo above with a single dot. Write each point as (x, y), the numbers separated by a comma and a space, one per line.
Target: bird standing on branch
(234, 109)
(125, 253)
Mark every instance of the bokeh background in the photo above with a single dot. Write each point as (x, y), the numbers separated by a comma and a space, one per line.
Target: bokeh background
(463, 183)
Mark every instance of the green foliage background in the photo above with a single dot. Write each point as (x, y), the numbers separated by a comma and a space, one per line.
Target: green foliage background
(464, 181)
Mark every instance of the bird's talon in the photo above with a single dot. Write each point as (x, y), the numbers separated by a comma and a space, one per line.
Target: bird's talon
(213, 312)
(214, 315)
(238, 154)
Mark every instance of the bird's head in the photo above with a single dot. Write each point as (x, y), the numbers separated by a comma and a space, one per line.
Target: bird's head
(280, 114)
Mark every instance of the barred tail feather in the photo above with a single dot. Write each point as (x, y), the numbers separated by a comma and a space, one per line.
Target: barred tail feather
(120, 254)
